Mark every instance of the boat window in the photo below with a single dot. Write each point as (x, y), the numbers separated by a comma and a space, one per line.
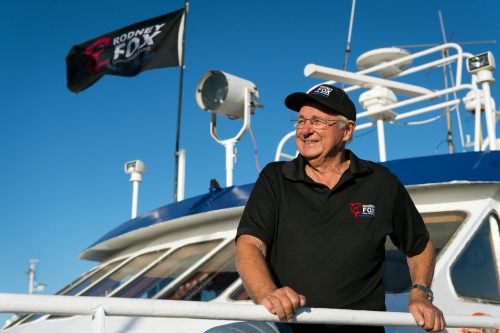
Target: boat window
(169, 268)
(74, 288)
(209, 280)
(441, 226)
(87, 279)
(240, 294)
(475, 274)
(123, 274)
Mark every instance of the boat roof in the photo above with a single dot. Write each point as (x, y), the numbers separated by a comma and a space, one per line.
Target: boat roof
(436, 169)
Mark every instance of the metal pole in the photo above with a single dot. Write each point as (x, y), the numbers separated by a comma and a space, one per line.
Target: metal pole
(381, 140)
(110, 306)
(489, 115)
(135, 198)
(348, 47)
(179, 102)
(31, 274)
(98, 323)
(182, 174)
(477, 124)
(230, 157)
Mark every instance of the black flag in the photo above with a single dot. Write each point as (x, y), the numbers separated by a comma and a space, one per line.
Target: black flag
(127, 52)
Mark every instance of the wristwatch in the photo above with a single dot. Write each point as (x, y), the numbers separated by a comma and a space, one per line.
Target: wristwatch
(426, 290)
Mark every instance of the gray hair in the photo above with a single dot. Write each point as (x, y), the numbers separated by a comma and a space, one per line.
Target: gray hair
(343, 121)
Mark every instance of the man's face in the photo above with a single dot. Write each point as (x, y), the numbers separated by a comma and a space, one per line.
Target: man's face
(320, 143)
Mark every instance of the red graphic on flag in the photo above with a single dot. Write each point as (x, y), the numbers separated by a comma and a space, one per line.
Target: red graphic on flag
(94, 51)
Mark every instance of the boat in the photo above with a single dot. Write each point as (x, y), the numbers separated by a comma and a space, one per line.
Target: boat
(184, 251)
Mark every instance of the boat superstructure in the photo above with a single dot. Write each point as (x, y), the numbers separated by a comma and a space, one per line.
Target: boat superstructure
(184, 251)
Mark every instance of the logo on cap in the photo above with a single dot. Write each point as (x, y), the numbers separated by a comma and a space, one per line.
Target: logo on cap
(323, 90)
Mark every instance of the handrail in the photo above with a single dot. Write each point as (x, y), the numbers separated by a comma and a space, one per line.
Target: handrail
(99, 307)
(436, 49)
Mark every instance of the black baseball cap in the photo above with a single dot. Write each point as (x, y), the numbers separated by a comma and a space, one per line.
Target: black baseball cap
(333, 98)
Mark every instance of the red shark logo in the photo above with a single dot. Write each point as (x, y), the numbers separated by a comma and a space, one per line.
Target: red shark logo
(356, 208)
(94, 52)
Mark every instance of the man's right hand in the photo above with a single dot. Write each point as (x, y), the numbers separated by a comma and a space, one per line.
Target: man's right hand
(283, 302)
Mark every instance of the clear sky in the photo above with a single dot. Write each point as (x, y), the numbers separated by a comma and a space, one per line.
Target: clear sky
(62, 154)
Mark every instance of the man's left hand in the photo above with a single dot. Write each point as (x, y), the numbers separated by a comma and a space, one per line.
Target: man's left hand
(426, 315)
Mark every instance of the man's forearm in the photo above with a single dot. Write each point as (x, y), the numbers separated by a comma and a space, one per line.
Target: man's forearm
(252, 267)
(422, 266)
(420, 305)
(258, 282)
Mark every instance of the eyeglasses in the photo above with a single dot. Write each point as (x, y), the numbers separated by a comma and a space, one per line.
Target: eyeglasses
(316, 123)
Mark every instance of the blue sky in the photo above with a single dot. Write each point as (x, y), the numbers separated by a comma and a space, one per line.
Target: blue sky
(63, 153)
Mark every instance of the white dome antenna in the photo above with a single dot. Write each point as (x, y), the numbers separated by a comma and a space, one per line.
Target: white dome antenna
(381, 56)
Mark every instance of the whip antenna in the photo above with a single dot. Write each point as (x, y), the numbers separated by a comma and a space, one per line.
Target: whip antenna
(348, 47)
(444, 54)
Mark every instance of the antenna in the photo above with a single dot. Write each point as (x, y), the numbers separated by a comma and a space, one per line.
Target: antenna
(348, 47)
(34, 286)
(444, 54)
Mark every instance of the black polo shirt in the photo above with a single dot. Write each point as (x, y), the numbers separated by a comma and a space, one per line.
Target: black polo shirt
(328, 245)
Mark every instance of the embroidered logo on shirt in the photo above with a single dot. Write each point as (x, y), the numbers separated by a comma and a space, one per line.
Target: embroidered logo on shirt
(361, 210)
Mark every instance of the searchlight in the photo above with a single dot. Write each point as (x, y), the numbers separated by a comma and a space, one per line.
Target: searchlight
(225, 94)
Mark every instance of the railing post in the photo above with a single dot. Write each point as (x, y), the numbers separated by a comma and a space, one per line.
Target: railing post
(98, 324)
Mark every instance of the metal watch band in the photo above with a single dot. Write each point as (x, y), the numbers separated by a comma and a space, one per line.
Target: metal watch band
(426, 290)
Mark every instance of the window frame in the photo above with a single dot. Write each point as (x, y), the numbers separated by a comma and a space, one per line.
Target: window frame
(485, 219)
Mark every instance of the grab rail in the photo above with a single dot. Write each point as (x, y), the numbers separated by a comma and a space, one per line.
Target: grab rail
(100, 307)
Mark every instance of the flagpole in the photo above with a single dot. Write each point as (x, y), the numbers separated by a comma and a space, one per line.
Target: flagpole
(179, 103)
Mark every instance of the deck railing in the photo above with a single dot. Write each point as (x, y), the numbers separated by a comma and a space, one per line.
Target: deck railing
(100, 307)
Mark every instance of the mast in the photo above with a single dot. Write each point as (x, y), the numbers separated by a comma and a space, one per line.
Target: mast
(179, 103)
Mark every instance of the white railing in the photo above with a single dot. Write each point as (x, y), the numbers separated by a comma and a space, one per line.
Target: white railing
(100, 307)
(458, 58)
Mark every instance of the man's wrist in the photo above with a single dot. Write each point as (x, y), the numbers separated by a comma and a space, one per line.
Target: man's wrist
(426, 290)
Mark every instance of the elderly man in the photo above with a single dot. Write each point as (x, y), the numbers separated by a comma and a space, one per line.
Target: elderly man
(314, 228)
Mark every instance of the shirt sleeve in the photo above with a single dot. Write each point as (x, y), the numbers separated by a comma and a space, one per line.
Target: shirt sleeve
(409, 234)
(259, 215)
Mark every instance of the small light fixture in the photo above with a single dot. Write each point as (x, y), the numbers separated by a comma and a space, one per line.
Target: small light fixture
(483, 61)
(135, 169)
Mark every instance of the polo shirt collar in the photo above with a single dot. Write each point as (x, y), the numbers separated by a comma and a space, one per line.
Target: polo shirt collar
(295, 169)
